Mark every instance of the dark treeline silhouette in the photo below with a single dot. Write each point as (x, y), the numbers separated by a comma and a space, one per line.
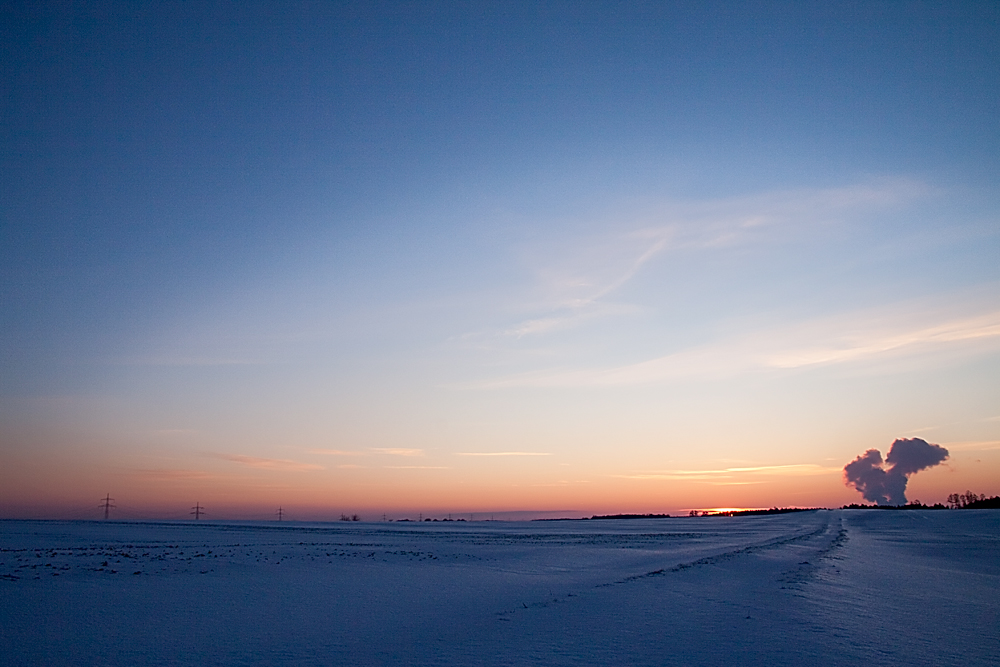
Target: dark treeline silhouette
(629, 516)
(970, 501)
(598, 517)
(773, 510)
(984, 504)
(956, 501)
(913, 505)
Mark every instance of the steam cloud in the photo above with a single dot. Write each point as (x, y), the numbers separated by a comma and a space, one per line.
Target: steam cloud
(887, 486)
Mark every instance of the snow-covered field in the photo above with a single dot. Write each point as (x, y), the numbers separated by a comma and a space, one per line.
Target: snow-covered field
(813, 588)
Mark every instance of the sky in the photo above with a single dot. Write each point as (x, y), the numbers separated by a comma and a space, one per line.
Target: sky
(422, 258)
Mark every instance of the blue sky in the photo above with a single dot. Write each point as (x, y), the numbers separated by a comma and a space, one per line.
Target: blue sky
(630, 240)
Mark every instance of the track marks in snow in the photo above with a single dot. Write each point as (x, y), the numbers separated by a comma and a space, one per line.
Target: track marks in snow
(807, 570)
(714, 559)
(832, 530)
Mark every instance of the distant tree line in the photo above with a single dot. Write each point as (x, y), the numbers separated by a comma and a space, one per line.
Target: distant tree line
(912, 505)
(629, 516)
(773, 510)
(970, 501)
(957, 501)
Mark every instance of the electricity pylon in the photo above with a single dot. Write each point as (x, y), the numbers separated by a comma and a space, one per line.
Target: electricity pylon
(198, 510)
(280, 513)
(107, 506)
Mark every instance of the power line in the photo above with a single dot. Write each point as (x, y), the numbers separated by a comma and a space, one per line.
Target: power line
(107, 506)
(198, 511)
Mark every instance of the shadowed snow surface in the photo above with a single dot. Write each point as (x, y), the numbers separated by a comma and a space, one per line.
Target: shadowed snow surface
(815, 588)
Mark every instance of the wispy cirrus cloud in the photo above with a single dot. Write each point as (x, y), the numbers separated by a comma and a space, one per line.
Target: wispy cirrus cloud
(270, 464)
(172, 360)
(983, 328)
(974, 445)
(373, 451)
(398, 451)
(174, 431)
(564, 318)
(172, 474)
(907, 331)
(575, 276)
(727, 474)
(417, 467)
(597, 265)
(503, 454)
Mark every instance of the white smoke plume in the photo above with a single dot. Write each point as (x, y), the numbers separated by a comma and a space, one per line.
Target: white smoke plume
(887, 486)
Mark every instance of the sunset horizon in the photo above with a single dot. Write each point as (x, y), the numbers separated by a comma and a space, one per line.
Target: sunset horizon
(401, 258)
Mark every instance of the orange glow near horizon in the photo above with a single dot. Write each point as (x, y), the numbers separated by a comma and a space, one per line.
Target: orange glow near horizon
(409, 481)
(437, 492)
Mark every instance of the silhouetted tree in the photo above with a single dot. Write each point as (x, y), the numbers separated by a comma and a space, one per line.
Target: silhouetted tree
(967, 500)
(984, 503)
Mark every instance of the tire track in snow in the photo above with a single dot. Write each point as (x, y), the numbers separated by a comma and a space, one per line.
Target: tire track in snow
(807, 570)
(825, 529)
(729, 555)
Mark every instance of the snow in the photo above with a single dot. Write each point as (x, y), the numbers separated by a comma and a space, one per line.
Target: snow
(817, 588)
